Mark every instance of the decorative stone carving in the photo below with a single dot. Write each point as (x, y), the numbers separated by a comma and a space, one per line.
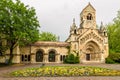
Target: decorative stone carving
(90, 36)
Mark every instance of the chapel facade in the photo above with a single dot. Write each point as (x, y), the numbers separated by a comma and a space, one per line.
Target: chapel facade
(86, 41)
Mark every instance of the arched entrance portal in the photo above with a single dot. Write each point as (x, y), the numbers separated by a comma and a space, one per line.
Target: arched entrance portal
(39, 56)
(52, 56)
(92, 51)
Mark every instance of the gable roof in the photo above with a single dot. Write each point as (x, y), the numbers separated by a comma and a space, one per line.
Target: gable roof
(87, 7)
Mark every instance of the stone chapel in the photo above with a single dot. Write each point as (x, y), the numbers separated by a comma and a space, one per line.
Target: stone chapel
(86, 41)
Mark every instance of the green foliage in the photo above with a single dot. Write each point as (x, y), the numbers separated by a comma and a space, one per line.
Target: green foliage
(109, 61)
(114, 34)
(47, 36)
(71, 59)
(18, 23)
(77, 59)
(114, 40)
(69, 71)
(113, 58)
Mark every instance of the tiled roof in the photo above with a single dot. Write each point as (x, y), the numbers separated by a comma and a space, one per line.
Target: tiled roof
(48, 43)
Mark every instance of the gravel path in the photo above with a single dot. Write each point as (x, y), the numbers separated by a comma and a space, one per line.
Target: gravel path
(5, 70)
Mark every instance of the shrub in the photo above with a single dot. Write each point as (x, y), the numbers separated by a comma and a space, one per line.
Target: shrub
(71, 59)
(113, 58)
(77, 59)
(109, 61)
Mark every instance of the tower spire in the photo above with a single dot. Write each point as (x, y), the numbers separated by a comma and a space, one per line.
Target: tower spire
(101, 26)
(73, 27)
(73, 20)
(101, 23)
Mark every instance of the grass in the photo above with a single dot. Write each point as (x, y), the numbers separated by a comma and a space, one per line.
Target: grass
(55, 71)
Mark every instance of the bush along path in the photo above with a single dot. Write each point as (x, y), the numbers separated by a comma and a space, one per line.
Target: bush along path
(65, 71)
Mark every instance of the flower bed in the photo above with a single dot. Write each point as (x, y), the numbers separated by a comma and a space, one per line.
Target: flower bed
(65, 71)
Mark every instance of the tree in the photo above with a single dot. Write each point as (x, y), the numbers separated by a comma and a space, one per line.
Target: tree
(18, 23)
(47, 36)
(113, 30)
(114, 34)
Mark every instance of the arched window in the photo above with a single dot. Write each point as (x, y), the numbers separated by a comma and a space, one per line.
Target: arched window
(89, 16)
(61, 58)
(39, 56)
(104, 33)
(52, 56)
(25, 58)
(29, 58)
(75, 32)
(22, 57)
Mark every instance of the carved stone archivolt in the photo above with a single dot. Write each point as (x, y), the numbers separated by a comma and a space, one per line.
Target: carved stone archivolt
(91, 36)
(93, 49)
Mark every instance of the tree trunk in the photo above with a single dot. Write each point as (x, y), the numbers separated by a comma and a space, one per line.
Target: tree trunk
(11, 55)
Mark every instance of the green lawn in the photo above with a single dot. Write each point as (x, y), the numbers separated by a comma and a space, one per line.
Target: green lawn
(65, 71)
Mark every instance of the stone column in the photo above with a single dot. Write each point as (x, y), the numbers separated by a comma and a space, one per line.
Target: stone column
(33, 58)
(57, 58)
(102, 58)
(45, 58)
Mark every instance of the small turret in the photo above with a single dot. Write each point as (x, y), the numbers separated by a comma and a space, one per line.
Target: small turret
(101, 26)
(103, 30)
(73, 28)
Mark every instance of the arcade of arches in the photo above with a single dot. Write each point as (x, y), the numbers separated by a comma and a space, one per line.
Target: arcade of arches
(44, 52)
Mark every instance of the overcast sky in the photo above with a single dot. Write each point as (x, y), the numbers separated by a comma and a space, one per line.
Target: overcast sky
(56, 16)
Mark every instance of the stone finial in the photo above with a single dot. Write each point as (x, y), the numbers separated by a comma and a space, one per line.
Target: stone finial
(73, 20)
(101, 26)
(73, 27)
(101, 23)
(89, 3)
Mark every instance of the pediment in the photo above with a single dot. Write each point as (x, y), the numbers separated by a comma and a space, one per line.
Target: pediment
(90, 35)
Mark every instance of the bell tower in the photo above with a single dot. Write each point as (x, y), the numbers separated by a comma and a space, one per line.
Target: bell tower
(88, 17)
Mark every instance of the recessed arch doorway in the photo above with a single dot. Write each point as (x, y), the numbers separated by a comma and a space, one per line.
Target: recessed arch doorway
(52, 55)
(92, 51)
(39, 56)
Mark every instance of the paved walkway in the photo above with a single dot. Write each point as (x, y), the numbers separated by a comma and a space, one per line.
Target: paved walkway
(5, 70)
